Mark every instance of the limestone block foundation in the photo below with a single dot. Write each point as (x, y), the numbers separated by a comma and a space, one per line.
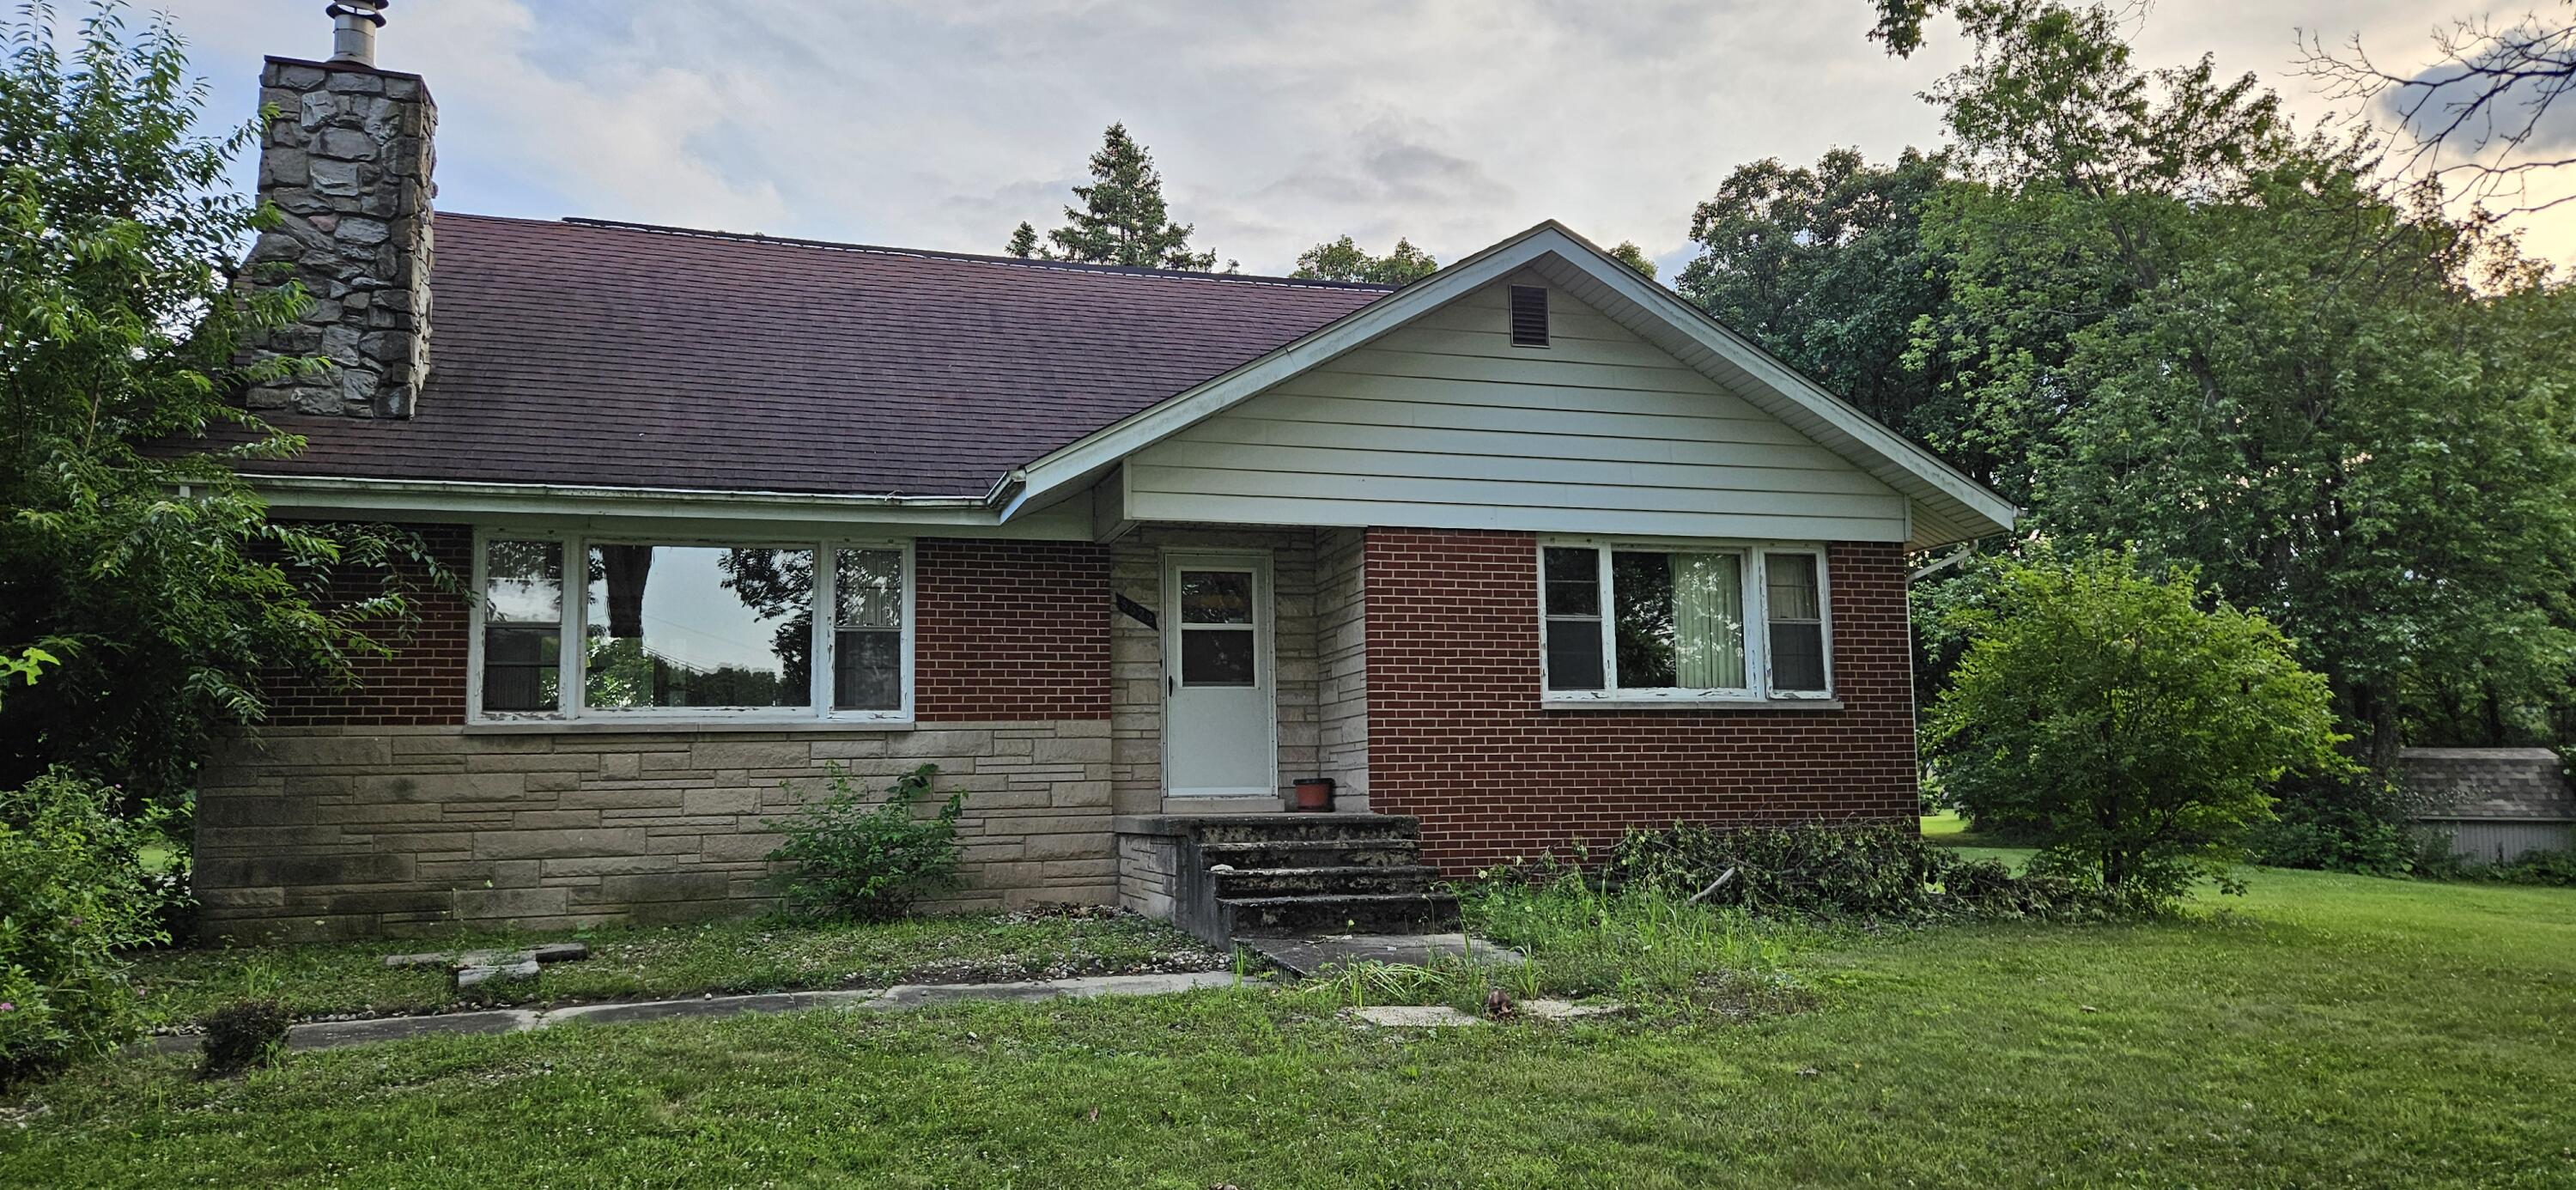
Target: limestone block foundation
(343, 832)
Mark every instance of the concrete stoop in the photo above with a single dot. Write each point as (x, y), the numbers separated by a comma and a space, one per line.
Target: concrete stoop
(1242, 876)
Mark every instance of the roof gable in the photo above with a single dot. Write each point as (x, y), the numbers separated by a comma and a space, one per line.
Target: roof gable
(1943, 505)
(1445, 422)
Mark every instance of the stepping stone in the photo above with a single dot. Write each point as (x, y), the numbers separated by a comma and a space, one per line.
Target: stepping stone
(1413, 1016)
(1305, 957)
(1566, 1010)
(524, 970)
(551, 952)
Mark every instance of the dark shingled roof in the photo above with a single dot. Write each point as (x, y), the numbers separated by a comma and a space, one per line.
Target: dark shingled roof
(616, 355)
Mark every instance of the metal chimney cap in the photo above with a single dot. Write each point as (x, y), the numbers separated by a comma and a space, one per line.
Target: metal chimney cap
(353, 29)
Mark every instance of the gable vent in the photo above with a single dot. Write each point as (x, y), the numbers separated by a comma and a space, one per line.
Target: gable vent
(1529, 316)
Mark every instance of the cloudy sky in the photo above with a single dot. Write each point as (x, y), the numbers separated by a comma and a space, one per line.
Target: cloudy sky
(942, 123)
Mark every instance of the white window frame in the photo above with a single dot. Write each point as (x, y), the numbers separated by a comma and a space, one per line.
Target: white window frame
(573, 654)
(1754, 573)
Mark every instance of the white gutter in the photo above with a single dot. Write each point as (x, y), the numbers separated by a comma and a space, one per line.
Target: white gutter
(312, 492)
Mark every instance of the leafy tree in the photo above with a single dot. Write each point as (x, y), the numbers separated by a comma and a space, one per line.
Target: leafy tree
(1344, 260)
(1122, 219)
(145, 565)
(1825, 267)
(2137, 733)
(1629, 254)
(2209, 337)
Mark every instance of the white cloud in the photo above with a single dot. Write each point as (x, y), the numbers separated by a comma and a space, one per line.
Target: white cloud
(1276, 123)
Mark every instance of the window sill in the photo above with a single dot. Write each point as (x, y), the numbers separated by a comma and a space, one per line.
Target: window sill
(1690, 704)
(682, 726)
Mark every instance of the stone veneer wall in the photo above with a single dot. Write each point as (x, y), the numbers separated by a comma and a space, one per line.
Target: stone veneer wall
(347, 161)
(361, 831)
(1136, 654)
(1457, 734)
(1341, 647)
(377, 811)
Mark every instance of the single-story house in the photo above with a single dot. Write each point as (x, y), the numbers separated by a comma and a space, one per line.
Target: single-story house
(1520, 555)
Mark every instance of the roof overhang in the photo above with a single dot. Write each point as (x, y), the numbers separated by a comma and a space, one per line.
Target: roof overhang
(1946, 505)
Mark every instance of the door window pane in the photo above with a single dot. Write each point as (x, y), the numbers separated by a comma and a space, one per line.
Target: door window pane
(522, 625)
(1216, 597)
(1216, 657)
(699, 626)
(1797, 622)
(867, 662)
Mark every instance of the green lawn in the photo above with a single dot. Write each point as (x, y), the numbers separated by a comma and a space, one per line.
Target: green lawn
(2324, 1030)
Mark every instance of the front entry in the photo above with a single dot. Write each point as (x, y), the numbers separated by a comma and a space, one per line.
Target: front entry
(1220, 731)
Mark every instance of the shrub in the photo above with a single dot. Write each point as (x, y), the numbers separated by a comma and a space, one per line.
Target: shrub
(2138, 733)
(849, 860)
(2556, 869)
(2352, 824)
(72, 894)
(241, 1035)
(1836, 871)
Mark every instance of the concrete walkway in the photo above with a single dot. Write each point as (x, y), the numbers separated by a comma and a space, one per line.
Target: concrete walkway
(322, 1035)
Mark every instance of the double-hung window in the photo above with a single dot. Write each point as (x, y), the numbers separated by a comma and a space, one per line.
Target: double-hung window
(671, 630)
(1682, 623)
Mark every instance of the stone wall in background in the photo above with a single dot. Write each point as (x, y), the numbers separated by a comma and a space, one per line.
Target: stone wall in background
(337, 832)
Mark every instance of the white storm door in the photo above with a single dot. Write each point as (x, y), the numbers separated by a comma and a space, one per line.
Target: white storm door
(1220, 733)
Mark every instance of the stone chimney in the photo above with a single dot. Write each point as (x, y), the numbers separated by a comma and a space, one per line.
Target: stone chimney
(346, 160)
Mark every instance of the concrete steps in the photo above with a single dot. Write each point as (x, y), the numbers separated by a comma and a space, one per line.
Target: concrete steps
(1316, 853)
(1328, 881)
(1302, 875)
(1354, 913)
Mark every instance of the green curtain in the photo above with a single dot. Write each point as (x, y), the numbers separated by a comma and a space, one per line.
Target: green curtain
(1708, 621)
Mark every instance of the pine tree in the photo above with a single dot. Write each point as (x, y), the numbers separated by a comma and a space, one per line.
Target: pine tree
(1122, 219)
(1024, 242)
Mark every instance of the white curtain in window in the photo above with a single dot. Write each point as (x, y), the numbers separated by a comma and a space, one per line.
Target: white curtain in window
(1708, 621)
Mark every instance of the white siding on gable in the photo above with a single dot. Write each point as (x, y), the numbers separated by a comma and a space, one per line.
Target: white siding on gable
(1444, 424)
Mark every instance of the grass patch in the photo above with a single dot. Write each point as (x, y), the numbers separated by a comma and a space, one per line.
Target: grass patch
(326, 979)
(2326, 1029)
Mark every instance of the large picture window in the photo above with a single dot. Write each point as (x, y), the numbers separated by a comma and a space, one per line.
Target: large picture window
(690, 630)
(1624, 621)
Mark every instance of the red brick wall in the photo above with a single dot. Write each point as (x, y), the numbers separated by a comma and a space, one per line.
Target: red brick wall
(1456, 734)
(1010, 630)
(422, 683)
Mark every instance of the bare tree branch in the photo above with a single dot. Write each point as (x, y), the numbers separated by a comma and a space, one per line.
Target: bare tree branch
(2477, 120)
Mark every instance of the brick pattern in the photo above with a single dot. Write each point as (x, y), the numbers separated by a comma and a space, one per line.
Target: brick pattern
(422, 683)
(362, 831)
(1456, 734)
(1015, 630)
